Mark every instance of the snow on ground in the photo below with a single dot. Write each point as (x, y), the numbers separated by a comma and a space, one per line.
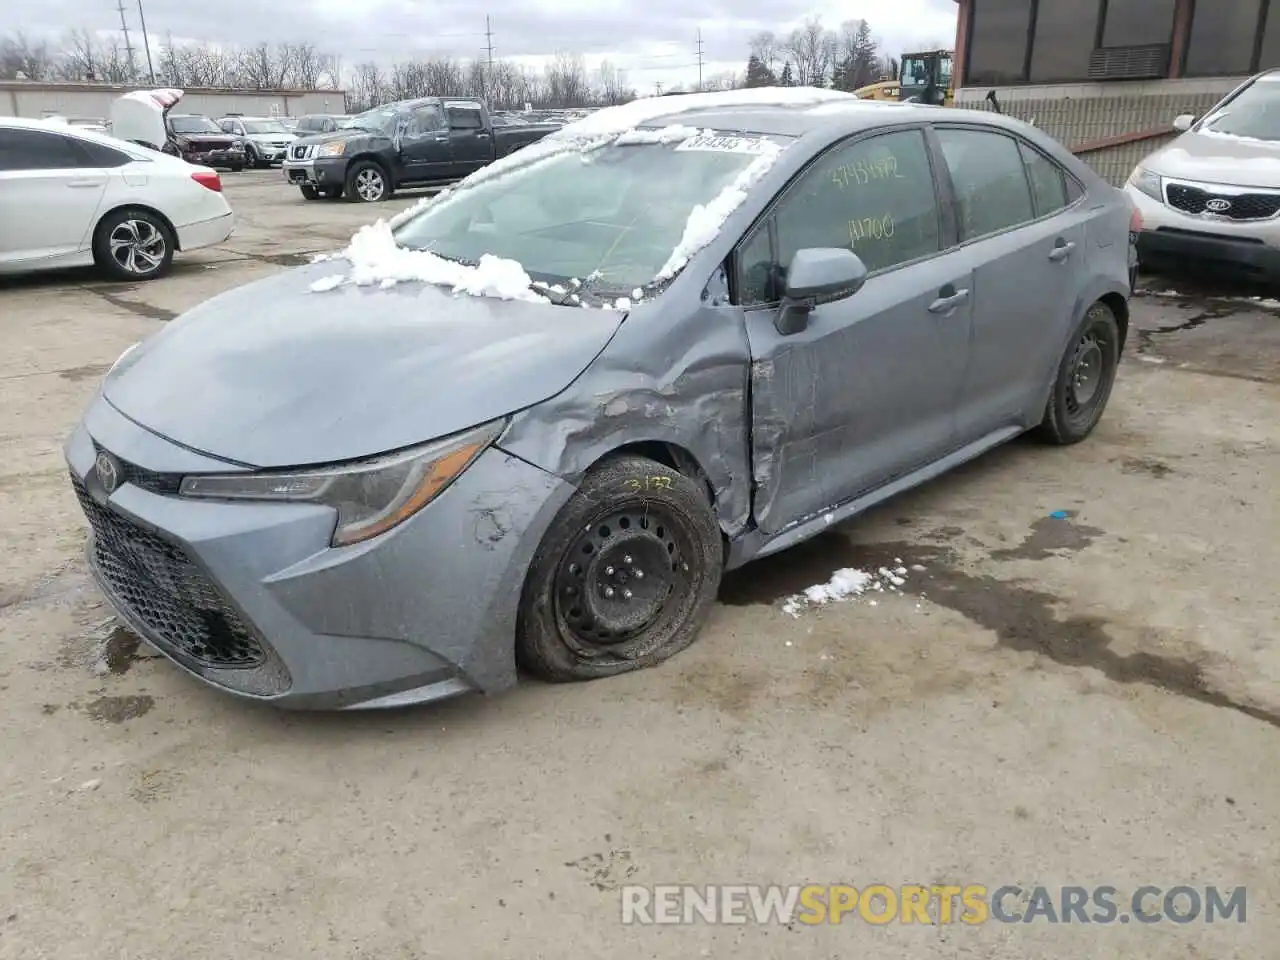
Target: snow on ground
(848, 584)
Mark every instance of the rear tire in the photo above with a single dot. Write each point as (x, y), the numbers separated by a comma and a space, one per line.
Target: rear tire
(624, 577)
(132, 244)
(1085, 376)
(309, 192)
(367, 182)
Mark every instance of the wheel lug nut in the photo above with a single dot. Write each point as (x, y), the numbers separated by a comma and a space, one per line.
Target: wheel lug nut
(608, 591)
(639, 574)
(608, 571)
(626, 594)
(627, 560)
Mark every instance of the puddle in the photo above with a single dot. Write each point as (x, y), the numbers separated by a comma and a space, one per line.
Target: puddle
(1144, 465)
(1049, 537)
(118, 709)
(119, 650)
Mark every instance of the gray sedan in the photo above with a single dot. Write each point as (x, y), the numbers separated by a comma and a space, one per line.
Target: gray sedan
(532, 422)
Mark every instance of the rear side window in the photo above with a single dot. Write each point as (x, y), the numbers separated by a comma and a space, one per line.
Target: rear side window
(1048, 181)
(465, 118)
(38, 150)
(100, 155)
(992, 192)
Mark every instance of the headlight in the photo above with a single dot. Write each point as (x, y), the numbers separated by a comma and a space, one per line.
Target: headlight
(334, 148)
(1152, 184)
(371, 496)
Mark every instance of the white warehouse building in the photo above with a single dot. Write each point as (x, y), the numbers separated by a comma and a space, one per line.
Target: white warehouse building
(38, 99)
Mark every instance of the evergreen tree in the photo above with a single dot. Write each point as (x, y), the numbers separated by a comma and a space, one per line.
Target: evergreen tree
(840, 76)
(758, 75)
(786, 79)
(864, 60)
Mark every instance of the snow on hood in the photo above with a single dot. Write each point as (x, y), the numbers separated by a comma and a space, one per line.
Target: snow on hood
(375, 257)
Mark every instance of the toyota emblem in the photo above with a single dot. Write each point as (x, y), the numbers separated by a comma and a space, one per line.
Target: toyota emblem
(1218, 205)
(108, 471)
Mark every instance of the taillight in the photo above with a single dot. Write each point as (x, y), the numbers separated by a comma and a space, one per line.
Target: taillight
(209, 179)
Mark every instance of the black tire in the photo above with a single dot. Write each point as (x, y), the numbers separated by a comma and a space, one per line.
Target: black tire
(1089, 364)
(127, 241)
(625, 576)
(236, 167)
(367, 182)
(309, 192)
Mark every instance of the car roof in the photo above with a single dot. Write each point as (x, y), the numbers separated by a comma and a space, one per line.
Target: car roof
(74, 131)
(833, 118)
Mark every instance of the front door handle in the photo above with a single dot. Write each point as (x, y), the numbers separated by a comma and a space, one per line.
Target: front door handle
(482, 136)
(948, 303)
(86, 182)
(1061, 251)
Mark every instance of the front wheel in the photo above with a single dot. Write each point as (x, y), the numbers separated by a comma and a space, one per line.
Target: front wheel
(367, 183)
(308, 192)
(625, 576)
(133, 245)
(1086, 374)
(236, 167)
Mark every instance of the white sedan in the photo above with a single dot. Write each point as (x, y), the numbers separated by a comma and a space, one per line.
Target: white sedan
(72, 197)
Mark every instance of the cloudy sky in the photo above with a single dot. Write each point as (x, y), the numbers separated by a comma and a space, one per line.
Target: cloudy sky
(655, 41)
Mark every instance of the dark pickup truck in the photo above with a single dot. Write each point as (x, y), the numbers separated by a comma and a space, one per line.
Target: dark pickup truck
(412, 143)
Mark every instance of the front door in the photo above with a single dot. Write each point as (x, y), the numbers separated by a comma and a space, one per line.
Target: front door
(470, 140)
(1022, 234)
(424, 146)
(868, 390)
(49, 195)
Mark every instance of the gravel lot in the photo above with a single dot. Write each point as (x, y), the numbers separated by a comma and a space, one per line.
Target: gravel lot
(1090, 700)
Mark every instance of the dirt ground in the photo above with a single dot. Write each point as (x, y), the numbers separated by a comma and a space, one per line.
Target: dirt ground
(1087, 700)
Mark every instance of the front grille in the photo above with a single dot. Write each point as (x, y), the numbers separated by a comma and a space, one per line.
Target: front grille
(301, 153)
(1243, 206)
(159, 585)
(165, 484)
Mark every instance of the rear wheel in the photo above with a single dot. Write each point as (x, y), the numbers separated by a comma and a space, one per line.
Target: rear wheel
(625, 576)
(308, 192)
(133, 245)
(367, 183)
(1085, 377)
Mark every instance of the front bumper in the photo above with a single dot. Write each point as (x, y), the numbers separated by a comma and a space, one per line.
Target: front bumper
(1172, 239)
(271, 154)
(250, 597)
(321, 172)
(215, 158)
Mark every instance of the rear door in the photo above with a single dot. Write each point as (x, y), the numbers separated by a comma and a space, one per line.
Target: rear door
(867, 391)
(1022, 232)
(424, 145)
(50, 191)
(470, 141)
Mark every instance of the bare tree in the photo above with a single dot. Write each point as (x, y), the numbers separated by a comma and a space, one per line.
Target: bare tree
(567, 83)
(305, 65)
(811, 49)
(766, 48)
(21, 57)
(611, 83)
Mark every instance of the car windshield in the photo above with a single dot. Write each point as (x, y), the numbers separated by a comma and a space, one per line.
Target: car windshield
(380, 120)
(1255, 113)
(614, 215)
(194, 125)
(264, 126)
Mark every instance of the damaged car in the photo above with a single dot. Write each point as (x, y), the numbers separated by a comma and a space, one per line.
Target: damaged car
(530, 422)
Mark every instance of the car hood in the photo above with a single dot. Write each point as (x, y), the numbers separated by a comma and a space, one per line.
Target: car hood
(315, 138)
(1219, 158)
(274, 375)
(271, 139)
(206, 137)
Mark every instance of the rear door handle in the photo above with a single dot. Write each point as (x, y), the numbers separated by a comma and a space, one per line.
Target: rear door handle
(1061, 251)
(949, 303)
(86, 182)
(482, 136)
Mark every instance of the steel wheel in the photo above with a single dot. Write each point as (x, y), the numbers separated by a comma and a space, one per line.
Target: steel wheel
(137, 247)
(1086, 373)
(620, 577)
(1085, 376)
(370, 185)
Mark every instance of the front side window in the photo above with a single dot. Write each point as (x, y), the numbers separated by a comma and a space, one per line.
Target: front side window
(990, 185)
(875, 197)
(1048, 181)
(614, 216)
(425, 120)
(1253, 113)
(381, 120)
(37, 150)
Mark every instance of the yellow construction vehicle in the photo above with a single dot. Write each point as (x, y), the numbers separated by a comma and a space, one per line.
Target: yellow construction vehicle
(926, 77)
(883, 90)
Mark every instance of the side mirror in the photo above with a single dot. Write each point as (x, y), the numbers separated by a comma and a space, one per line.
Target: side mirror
(817, 275)
(1182, 123)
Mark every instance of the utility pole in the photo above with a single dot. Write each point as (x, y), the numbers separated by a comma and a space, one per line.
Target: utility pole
(488, 36)
(151, 71)
(128, 45)
(699, 59)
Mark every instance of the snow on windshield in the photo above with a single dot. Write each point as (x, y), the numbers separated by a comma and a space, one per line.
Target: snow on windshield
(376, 258)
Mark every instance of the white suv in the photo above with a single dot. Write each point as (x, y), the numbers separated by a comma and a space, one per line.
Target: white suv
(265, 138)
(1213, 194)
